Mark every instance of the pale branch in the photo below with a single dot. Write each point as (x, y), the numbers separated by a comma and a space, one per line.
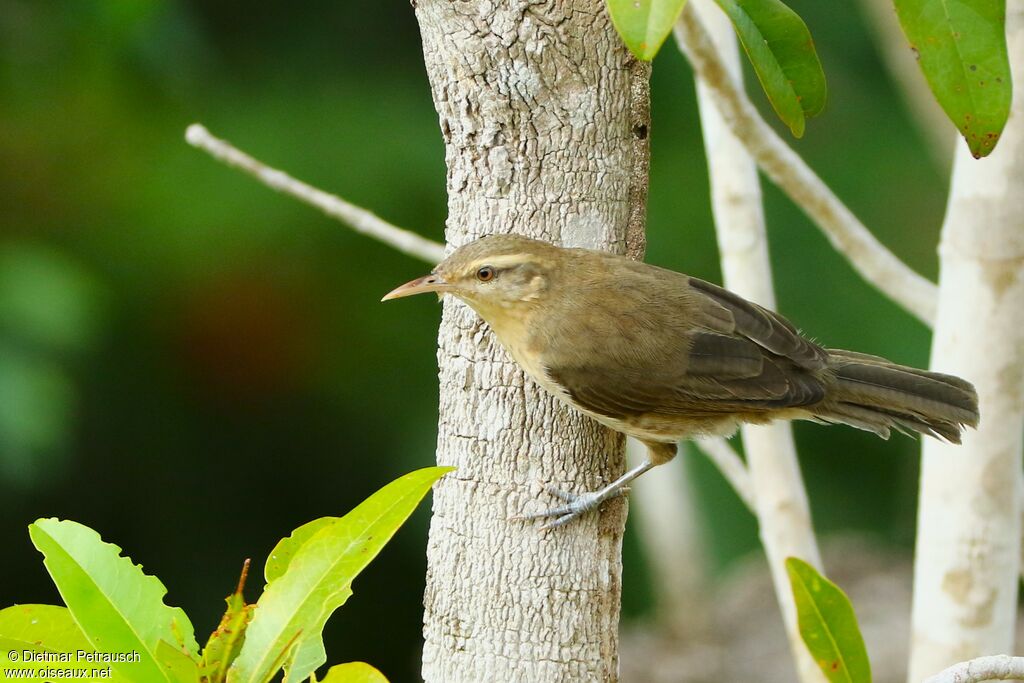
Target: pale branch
(966, 559)
(848, 235)
(357, 218)
(730, 464)
(991, 668)
(778, 496)
(1020, 496)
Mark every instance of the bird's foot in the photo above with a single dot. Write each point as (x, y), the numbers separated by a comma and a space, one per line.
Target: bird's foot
(576, 505)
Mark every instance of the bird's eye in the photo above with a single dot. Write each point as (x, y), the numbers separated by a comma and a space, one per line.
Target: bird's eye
(485, 274)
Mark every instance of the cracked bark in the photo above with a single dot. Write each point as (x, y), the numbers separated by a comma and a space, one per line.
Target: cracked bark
(545, 120)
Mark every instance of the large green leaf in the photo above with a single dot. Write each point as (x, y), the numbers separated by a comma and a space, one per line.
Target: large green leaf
(353, 672)
(287, 627)
(828, 625)
(961, 46)
(782, 53)
(118, 608)
(644, 24)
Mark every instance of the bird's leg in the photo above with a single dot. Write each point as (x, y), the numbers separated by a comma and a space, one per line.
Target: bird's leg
(578, 504)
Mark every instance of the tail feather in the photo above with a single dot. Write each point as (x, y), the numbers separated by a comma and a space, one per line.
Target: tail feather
(841, 356)
(877, 395)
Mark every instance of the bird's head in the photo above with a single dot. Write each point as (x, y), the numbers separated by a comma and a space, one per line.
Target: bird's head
(496, 275)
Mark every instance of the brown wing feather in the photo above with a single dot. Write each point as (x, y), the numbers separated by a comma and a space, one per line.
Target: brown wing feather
(764, 327)
(619, 393)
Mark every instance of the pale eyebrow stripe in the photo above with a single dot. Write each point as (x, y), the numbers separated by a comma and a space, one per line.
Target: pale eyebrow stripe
(504, 261)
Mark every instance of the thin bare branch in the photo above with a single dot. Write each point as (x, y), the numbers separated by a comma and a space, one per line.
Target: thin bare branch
(848, 235)
(991, 668)
(357, 218)
(730, 464)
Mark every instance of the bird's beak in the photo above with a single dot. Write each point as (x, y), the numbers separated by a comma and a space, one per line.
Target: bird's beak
(421, 285)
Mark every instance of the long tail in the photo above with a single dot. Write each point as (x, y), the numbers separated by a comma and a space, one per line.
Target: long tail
(877, 395)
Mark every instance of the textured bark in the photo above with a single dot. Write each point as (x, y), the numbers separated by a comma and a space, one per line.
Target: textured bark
(969, 524)
(545, 119)
(780, 499)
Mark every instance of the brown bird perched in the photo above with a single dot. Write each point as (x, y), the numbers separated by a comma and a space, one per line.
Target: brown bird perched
(662, 356)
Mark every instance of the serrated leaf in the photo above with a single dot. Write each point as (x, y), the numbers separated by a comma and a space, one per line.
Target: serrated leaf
(828, 625)
(290, 615)
(353, 672)
(281, 556)
(961, 46)
(644, 24)
(117, 606)
(309, 653)
(226, 641)
(781, 50)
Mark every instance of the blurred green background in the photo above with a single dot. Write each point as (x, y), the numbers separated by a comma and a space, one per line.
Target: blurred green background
(194, 365)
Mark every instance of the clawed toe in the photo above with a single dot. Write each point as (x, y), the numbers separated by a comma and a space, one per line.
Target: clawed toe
(559, 493)
(576, 505)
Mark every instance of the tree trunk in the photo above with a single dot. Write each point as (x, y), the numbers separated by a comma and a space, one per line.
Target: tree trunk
(969, 525)
(545, 118)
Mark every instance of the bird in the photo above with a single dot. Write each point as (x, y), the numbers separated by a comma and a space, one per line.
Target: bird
(662, 356)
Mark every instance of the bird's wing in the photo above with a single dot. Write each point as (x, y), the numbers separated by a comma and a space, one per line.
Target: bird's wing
(761, 326)
(734, 356)
(702, 391)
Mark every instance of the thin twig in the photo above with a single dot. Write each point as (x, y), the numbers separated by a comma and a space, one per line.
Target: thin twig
(848, 235)
(359, 219)
(991, 668)
(730, 464)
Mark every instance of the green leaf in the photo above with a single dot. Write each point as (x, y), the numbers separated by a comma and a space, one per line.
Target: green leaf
(118, 607)
(828, 625)
(961, 46)
(46, 627)
(179, 666)
(282, 554)
(290, 615)
(353, 672)
(644, 24)
(48, 659)
(226, 642)
(781, 50)
(50, 631)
